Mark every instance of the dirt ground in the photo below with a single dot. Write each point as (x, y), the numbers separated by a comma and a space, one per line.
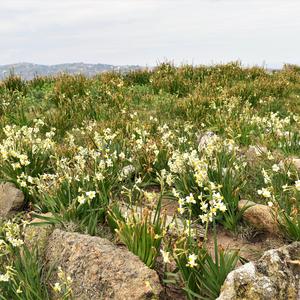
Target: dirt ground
(251, 248)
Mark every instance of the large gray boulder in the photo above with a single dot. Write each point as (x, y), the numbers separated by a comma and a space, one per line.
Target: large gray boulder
(276, 275)
(11, 200)
(99, 269)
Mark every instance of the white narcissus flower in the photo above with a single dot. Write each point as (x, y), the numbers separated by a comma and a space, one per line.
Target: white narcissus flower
(190, 199)
(91, 194)
(109, 162)
(180, 209)
(222, 207)
(204, 218)
(69, 279)
(57, 287)
(217, 196)
(81, 199)
(165, 256)
(297, 185)
(203, 206)
(169, 179)
(264, 192)
(175, 193)
(192, 261)
(4, 277)
(15, 242)
(138, 180)
(275, 168)
(99, 176)
(122, 155)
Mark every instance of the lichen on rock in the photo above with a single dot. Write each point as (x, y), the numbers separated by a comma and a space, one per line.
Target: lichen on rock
(99, 269)
(276, 275)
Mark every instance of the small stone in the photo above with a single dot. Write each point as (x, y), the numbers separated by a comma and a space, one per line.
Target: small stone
(259, 216)
(127, 170)
(205, 138)
(11, 200)
(255, 151)
(296, 163)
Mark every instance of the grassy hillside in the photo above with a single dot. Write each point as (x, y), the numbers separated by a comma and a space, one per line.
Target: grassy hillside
(78, 147)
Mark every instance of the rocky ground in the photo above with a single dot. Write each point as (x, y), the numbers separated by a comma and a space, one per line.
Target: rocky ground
(101, 269)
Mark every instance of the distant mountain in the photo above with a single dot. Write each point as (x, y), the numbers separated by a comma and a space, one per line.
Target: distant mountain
(29, 70)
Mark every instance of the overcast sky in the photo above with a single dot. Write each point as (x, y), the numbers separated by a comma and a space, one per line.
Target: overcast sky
(146, 32)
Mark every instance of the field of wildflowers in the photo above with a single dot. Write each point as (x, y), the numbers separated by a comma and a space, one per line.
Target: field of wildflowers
(83, 149)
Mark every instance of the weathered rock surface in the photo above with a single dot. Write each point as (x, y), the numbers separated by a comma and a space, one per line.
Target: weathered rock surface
(37, 236)
(254, 152)
(296, 162)
(99, 269)
(259, 216)
(11, 199)
(276, 275)
(291, 161)
(205, 138)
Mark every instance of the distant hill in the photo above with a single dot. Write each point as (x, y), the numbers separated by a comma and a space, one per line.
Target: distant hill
(29, 70)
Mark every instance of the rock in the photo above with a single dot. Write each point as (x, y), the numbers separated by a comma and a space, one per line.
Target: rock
(36, 236)
(276, 275)
(99, 269)
(11, 199)
(127, 170)
(296, 162)
(255, 151)
(204, 139)
(259, 216)
(290, 162)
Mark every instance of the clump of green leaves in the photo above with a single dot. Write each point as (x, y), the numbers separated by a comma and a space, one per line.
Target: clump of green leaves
(142, 230)
(202, 272)
(140, 234)
(290, 224)
(22, 275)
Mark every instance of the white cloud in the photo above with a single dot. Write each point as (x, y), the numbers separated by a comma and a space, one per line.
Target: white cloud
(145, 31)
